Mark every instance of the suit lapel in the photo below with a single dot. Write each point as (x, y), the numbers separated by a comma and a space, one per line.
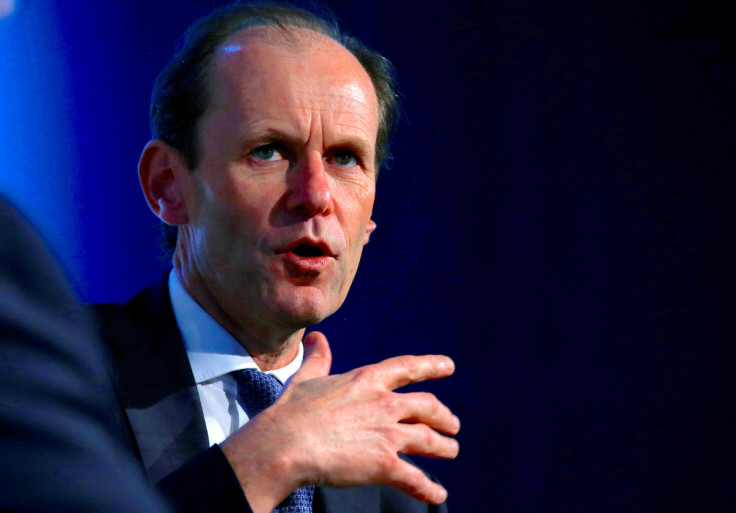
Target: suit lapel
(347, 500)
(155, 382)
(155, 385)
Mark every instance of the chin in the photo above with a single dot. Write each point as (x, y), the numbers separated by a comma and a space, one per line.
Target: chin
(298, 319)
(302, 310)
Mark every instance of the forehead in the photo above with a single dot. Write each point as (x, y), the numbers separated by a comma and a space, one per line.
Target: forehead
(264, 68)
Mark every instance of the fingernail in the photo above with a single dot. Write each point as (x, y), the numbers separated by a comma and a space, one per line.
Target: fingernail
(456, 447)
(442, 495)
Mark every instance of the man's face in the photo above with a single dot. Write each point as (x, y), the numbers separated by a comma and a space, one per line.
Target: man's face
(280, 204)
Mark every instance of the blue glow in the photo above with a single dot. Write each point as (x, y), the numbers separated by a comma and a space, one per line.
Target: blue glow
(6, 7)
(231, 48)
(38, 159)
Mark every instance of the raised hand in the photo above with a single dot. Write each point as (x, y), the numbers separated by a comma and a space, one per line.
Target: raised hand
(346, 429)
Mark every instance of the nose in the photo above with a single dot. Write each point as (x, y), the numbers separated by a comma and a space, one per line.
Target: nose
(309, 187)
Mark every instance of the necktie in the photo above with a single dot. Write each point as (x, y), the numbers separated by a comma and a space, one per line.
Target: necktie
(257, 391)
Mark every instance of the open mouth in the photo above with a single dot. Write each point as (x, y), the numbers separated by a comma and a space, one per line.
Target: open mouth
(308, 250)
(305, 259)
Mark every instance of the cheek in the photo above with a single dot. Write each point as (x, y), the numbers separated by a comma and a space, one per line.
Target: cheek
(234, 222)
(362, 214)
(358, 212)
(356, 198)
(245, 201)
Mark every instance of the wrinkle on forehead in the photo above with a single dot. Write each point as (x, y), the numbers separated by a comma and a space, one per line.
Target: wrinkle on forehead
(323, 125)
(342, 97)
(341, 92)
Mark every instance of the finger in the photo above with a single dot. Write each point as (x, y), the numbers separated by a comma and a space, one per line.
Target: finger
(317, 358)
(413, 481)
(402, 370)
(425, 408)
(425, 441)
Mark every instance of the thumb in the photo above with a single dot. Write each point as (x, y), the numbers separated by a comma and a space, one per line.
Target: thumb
(317, 358)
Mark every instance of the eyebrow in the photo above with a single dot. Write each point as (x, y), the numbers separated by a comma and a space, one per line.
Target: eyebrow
(268, 136)
(357, 146)
(272, 135)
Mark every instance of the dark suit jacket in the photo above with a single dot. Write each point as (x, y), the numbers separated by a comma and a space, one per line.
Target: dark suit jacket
(165, 425)
(58, 449)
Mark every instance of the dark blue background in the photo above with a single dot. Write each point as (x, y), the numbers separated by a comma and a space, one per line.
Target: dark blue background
(557, 218)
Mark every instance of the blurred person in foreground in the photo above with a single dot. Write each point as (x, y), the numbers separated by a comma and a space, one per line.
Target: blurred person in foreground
(58, 445)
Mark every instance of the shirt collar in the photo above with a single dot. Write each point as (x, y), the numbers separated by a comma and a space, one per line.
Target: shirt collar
(212, 351)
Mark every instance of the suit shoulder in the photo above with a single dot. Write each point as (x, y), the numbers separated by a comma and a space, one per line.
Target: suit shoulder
(103, 313)
(149, 304)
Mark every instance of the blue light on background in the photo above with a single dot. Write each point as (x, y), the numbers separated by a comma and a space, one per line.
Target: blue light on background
(558, 218)
(38, 161)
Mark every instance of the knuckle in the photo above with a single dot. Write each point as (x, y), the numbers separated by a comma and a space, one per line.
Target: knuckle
(366, 375)
(390, 404)
(411, 366)
(414, 479)
(432, 409)
(387, 464)
(434, 406)
(428, 437)
(395, 438)
(394, 470)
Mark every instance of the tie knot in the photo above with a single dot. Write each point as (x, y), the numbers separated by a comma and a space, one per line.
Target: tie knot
(256, 390)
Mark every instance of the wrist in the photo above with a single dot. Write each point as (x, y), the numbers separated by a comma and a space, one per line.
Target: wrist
(264, 463)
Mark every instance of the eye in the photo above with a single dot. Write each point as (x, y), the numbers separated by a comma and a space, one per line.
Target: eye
(267, 152)
(344, 158)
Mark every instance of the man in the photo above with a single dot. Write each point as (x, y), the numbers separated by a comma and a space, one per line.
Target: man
(269, 128)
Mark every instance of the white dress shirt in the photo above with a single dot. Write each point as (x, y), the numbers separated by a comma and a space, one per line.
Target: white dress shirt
(214, 353)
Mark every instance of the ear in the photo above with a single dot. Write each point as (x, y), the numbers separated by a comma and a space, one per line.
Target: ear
(162, 173)
(368, 230)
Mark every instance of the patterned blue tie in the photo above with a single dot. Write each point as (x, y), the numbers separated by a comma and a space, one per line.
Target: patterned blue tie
(256, 392)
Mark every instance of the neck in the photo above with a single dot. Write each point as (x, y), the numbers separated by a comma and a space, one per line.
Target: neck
(270, 347)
